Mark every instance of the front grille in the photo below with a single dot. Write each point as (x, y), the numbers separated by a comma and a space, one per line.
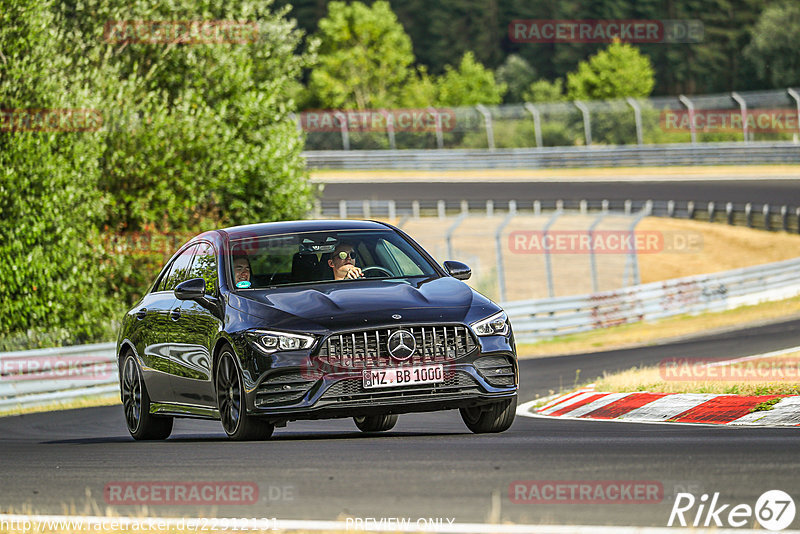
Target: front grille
(497, 370)
(367, 349)
(351, 389)
(282, 389)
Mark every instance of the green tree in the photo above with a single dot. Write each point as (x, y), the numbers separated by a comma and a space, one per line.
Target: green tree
(619, 71)
(469, 85)
(772, 50)
(517, 74)
(49, 204)
(365, 57)
(545, 91)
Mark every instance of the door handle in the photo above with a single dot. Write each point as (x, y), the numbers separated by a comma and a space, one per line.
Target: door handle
(175, 314)
(141, 313)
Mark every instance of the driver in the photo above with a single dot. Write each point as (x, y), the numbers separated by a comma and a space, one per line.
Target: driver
(343, 263)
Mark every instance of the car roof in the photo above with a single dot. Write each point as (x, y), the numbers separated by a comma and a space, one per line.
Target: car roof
(288, 227)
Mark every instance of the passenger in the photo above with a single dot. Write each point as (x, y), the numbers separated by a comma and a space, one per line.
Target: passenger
(343, 263)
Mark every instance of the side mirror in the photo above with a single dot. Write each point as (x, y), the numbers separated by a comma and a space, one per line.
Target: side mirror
(191, 289)
(458, 270)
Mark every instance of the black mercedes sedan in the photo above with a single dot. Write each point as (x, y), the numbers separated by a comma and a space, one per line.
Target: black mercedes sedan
(264, 324)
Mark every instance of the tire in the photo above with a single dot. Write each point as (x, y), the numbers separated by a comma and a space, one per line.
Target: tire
(376, 423)
(141, 424)
(238, 425)
(490, 418)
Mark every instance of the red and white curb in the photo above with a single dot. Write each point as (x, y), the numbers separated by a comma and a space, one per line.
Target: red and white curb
(644, 407)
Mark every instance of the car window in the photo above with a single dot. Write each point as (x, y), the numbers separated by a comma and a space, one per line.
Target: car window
(205, 266)
(400, 259)
(179, 270)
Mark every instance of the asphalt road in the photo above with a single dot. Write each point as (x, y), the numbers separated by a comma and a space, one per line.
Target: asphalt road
(429, 466)
(776, 192)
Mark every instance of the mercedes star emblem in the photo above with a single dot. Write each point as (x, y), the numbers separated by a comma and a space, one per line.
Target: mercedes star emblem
(401, 345)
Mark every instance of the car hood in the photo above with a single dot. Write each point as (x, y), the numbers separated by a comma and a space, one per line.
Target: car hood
(360, 303)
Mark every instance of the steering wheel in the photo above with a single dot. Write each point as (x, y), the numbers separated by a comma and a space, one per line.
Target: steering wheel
(376, 268)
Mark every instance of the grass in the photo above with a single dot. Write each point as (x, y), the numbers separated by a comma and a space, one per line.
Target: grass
(738, 378)
(651, 333)
(72, 404)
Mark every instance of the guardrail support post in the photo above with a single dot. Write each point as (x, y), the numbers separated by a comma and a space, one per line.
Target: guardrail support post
(342, 209)
(512, 207)
(797, 215)
(628, 204)
(748, 215)
(317, 209)
(765, 211)
(592, 258)
(559, 205)
(487, 120)
(637, 115)
(729, 212)
(415, 209)
(604, 206)
(366, 209)
(587, 122)
(537, 122)
(711, 213)
(465, 207)
(392, 209)
(343, 129)
(690, 209)
(584, 207)
(785, 218)
(743, 107)
(690, 108)
(537, 207)
(490, 208)
(440, 209)
(671, 208)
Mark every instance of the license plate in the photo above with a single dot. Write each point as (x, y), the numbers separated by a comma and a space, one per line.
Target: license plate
(403, 376)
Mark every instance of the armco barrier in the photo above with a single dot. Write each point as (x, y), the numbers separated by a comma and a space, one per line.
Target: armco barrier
(43, 376)
(545, 318)
(558, 157)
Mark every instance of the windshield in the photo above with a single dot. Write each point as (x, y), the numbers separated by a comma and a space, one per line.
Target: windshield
(279, 260)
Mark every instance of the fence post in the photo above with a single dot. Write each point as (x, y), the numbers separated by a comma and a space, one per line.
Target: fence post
(415, 209)
(440, 209)
(637, 115)
(448, 236)
(537, 207)
(487, 120)
(604, 206)
(587, 123)
(796, 98)
(343, 129)
(464, 207)
(729, 212)
(592, 258)
(392, 209)
(748, 215)
(765, 211)
(548, 261)
(490, 208)
(711, 207)
(512, 207)
(690, 108)
(501, 275)
(690, 209)
(671, 208)
(559, 205)
(365, 208)
(389, 128)
(342, 209)
(438, 121)
(633, 257)
(628, 204)
(743, 107)
(584, 207)
(797, 214)
(537, 122)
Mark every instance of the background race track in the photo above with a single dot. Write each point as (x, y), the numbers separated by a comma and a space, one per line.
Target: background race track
(428, 466)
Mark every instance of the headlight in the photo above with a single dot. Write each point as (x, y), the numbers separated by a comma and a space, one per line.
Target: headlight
(496, 325)
(271, 341)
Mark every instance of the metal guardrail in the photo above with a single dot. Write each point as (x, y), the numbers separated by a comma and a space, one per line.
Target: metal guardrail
(559, 157)
(36, 377)
(772, 217)
(545, 318)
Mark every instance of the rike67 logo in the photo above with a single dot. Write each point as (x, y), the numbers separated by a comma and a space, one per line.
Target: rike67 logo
(774, 510)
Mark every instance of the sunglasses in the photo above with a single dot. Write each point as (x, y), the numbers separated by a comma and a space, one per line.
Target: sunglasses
(344, 255)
